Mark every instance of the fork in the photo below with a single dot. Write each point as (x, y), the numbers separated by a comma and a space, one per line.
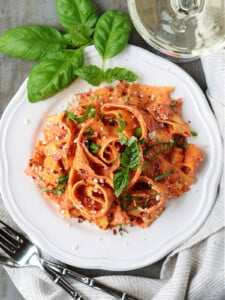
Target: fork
(25, 253)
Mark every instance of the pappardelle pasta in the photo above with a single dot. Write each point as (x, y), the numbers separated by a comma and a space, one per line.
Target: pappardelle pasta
(117, 157)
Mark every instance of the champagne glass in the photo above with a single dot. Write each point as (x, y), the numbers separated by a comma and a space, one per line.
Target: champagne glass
(185, 29)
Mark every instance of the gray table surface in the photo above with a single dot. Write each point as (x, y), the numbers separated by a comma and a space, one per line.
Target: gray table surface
(13, 72)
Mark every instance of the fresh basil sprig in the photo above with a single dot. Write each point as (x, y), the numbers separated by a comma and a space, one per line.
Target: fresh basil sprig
(58, 64)
(110, 38)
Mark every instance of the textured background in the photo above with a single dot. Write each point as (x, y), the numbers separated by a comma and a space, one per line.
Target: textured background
(13, 72)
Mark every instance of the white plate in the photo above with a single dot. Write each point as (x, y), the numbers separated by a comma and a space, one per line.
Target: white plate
(84, 245)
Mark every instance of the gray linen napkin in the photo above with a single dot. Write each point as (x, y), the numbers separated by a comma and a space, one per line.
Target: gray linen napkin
(195, 270)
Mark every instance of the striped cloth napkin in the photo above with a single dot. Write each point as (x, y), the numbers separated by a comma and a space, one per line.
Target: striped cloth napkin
(195, 270)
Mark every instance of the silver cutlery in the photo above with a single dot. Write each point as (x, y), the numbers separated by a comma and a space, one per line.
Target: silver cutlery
(8, 262)
(25, 253)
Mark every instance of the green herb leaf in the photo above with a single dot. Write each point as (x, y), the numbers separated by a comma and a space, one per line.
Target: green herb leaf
(88, 113)
(121, 124)
(138, 131)
(131, 156)
(112, 33)
(159, 177)
(53, 73)
(178, 143)
(194, 133)
(80, 35)
(123, 139)
(131, 140)
(31, 42)
(92, 74)
(144, 166)
(120, 180)
(88, 131)
(172, 106)
(63, 178)
(76, 12)
(93, 147)
(119, 74)
(147, 150)
(142, 141)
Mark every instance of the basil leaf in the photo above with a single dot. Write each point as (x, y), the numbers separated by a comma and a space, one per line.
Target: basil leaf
(53, 73)
(112, 33)
(92, 74)
(131, 156)
(76, 12)
(120, 181)
(80, 35)
(31, 42)
(123, 139)
(131, 140)
(119, 74)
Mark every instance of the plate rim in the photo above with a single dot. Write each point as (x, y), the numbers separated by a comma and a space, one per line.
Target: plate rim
(40, 240)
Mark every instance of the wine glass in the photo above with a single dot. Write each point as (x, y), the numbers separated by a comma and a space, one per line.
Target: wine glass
(185, 29)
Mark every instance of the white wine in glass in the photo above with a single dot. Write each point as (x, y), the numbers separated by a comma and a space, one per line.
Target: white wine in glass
(185, 29)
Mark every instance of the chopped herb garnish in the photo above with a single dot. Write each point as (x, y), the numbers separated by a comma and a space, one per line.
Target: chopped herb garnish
(94, 96)
(90, 112)
(144, 165)
(40, 178)
(159, 177)
(147, 150)
(126, 200)
(102, 117)
(88, 131)
(121, 124)
(171, 143)
(92, 146)
(60, 187)
(172, 106)
(178, 143)
(138, 131)
(123, 139)
(142, 141)
(126, 99)
(194, 133)
(63, 178)
(120, 115)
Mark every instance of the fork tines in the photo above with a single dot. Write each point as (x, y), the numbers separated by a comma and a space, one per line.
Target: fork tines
(9, 239)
